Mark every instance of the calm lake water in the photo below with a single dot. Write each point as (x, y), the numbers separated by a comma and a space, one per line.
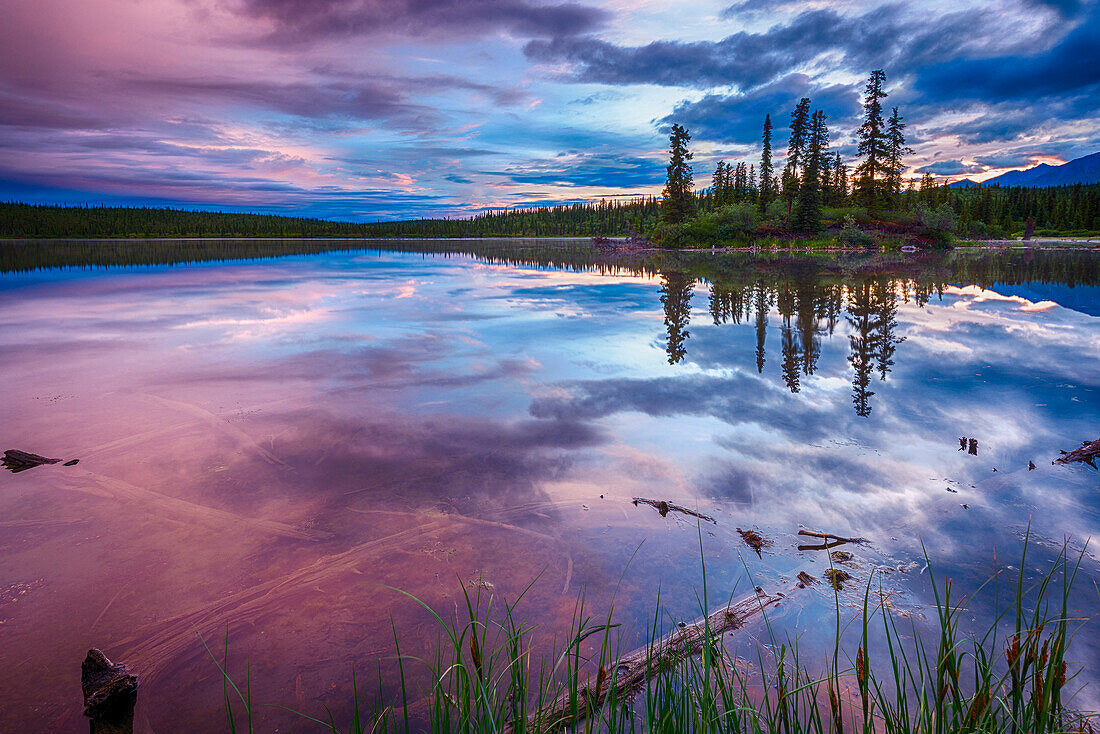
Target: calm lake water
(272, 435)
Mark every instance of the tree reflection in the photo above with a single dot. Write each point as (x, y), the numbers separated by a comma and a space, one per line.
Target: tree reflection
(676, 292)
(886, 308)
(809, 309)
(863, 319)
(761, 303)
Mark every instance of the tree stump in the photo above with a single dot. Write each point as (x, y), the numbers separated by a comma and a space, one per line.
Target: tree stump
(110, 692)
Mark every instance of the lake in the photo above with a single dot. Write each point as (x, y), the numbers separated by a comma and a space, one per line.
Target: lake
(275, 437)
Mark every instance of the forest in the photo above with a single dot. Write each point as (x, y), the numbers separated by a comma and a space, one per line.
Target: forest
(977, 213)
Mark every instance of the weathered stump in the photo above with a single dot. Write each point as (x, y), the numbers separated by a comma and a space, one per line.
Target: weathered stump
(110, 692)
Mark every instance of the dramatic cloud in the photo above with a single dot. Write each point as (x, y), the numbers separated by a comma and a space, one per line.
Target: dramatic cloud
(737, 118)
(302, 20)
(880, 38)
(950, 168)
(365, 109)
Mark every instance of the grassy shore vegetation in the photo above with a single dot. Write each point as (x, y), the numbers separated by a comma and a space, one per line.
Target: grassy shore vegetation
(1014, 677)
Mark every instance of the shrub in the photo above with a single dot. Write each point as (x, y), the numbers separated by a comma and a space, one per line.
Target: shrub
(853, 236)
(735, 223)
(937, 225)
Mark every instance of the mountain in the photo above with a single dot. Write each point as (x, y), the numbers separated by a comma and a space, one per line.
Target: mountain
(1084, 170)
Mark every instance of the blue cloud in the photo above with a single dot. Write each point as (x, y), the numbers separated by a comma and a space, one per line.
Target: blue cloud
(739, 118)
(950, 168)
(1070, 67)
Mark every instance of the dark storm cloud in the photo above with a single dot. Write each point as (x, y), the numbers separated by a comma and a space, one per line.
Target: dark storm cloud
(378, 98)
(949, 168)
(1067, 8)
(1008, 159)
(738, 118)
(1070, 67)
(879, 38)
(313, 20)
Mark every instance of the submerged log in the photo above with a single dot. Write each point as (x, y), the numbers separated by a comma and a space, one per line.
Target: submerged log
(110, 692)
(664, 508)
(16, 461)
(634, 669)
(1087, 454)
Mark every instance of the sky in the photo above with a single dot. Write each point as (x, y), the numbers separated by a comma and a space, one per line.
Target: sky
(391, 109)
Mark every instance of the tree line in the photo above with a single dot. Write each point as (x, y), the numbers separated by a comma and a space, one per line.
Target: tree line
(608, 217)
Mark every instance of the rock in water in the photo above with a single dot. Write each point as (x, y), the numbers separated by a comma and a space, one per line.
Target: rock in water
(17, 461)
(110, 692)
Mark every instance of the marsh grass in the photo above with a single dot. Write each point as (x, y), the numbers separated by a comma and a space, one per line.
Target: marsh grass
(487, 676)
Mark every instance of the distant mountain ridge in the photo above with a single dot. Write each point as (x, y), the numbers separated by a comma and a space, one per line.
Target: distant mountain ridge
(1085, 170)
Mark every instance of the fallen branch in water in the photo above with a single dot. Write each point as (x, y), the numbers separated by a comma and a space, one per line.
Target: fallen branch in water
(1087, 454)
(826, 545)
(636, 668)
(664, 508)
(830, 536)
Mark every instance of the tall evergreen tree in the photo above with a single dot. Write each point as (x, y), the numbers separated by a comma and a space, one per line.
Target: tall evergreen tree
(840, 181)
(896, 149)
(873, 143)
(808, 217)
(678, 200)
(800, 136)
(796, 149)
(767, 170)
(718, 185)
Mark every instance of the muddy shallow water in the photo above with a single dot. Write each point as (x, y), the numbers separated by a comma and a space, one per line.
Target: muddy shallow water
(269, 446)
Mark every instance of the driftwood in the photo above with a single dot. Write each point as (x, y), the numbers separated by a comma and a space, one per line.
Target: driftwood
(110, 692)
(664, 508)
(16, 461)
(830, 536)
(1088, 454)
(635, 668)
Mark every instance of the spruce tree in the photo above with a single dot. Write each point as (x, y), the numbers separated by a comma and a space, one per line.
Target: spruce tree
(678, 201)
(767, 190)
(896, 149)
(718, 185)
(840, 181)
(796, 149)
(808, 217)
(873, 144)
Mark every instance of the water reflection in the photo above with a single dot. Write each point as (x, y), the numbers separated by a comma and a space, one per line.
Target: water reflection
(809, 309)
(267, 444)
